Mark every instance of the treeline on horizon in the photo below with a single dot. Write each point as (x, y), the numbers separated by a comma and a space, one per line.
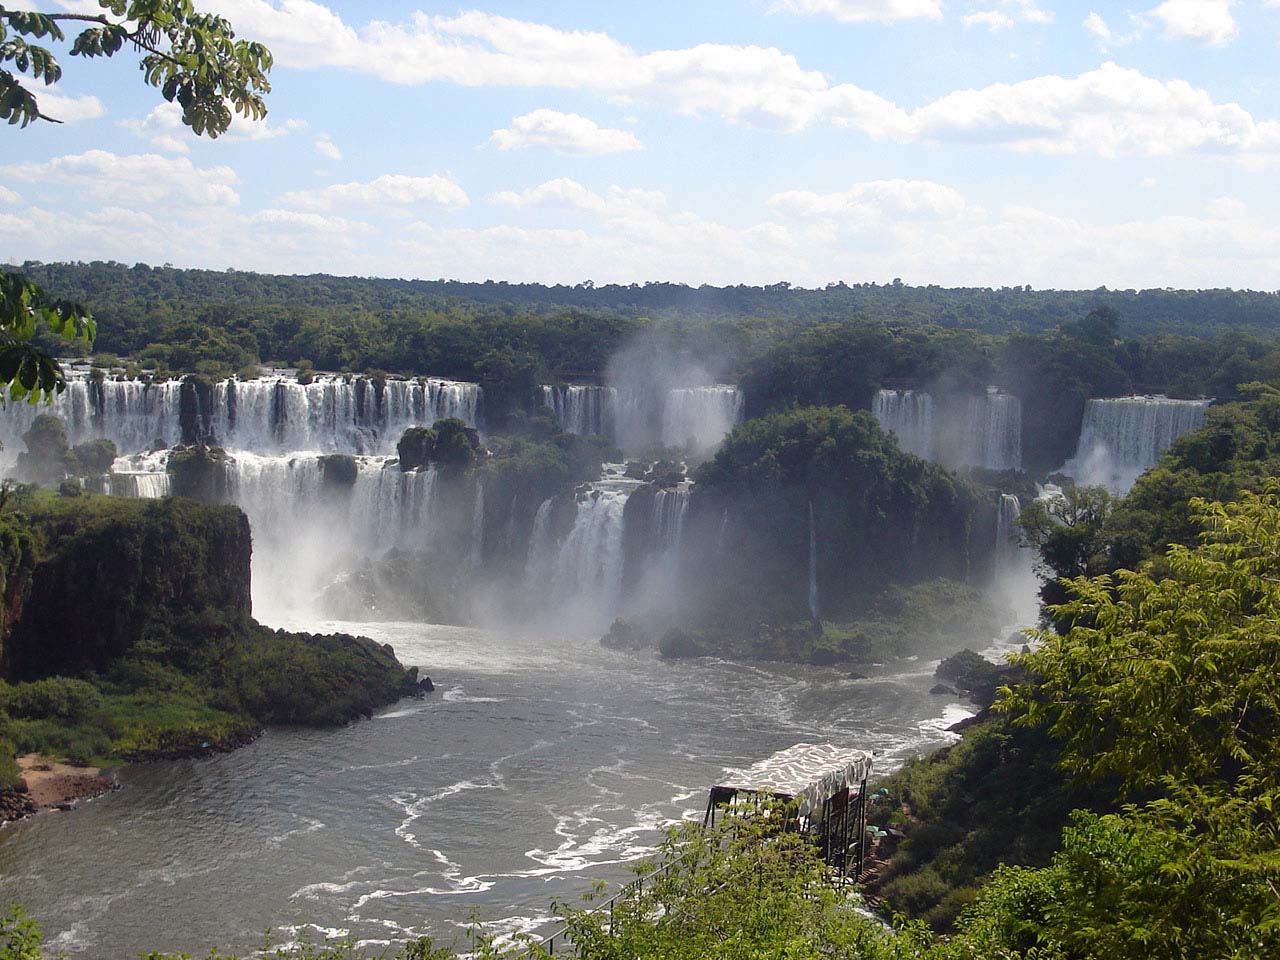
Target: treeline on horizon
(787, 347)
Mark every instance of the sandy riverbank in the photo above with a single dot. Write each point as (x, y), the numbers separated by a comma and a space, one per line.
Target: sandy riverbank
(52, 786)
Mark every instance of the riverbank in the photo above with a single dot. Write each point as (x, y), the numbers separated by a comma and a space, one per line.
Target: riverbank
(46, 784)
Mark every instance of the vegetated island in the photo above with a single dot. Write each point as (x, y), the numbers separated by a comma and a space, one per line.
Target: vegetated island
(127, 635)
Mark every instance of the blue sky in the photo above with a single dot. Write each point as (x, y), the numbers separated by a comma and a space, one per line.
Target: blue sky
(961, 142)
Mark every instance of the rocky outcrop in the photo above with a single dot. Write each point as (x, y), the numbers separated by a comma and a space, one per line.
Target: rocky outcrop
(113, 571)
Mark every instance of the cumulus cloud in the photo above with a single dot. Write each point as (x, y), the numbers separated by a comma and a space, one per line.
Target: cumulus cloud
(388, 190)
(163, 129)
(896, 199)
(1096, 26)
(67, 107)
(146, 178)
(567, 132)
(314, 222)
(1110, 111)
(8, 196)
(327, 148)
(863, 11)
(1009, 14)
(1207, 21)
(568, 194)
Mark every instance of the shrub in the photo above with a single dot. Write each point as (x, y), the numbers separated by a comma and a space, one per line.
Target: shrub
(63, 698)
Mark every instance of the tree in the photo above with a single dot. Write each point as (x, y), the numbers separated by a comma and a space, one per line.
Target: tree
(1068, 531)
(193, 58)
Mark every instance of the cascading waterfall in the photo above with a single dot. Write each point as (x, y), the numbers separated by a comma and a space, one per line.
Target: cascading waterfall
(1014, 580)
(1007, 547)
(333, 414)
(477, 528)
(583, 410)
(908, 415)
(993, 437)
(268, 415)
(669, 509)
(134, 415)
(813, 566)
(579, 579)
(1122, 438)
(693, 419)
(983, 431)
(698, 418)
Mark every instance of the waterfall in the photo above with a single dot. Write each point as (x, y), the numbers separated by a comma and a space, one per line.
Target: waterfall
(334, 414)
(541, 545)
(134, 415)
(582, 410)
(696, 419)
(477, 528)
(669, 509)
(993, 436)
(813, 567)
(1007, 546)
(908, 415)
(983, 431)
(693, 419)
(578, 580)
(1122, 438)
(269, 415)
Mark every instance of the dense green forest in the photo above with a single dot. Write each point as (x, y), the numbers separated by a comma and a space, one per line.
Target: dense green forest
(133, 290)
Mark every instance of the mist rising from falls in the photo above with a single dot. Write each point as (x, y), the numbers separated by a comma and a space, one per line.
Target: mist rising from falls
(1122, 438)
(1014, 578)
(813, 567)
(692, 419)
(983, 431)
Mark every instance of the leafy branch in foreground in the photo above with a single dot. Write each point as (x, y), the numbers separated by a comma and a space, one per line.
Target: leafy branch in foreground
(193, 58)
(29, 371)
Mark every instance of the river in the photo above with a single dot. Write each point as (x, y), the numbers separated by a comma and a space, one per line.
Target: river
(538, 765)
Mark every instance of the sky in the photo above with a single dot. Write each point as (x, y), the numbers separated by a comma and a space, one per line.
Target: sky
(956, 142)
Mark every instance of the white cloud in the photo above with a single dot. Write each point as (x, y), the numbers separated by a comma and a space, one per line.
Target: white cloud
(1226, 208)
(991, 19)
(68, 108)
(1011, 13)
(163, 129)
(1208, 21)
(388, 190)
(1097, 27)
(896, 199)
(327, 148)
(1110, 111)
(310, 222)
(567, 132)
(8, 196)
(146, 178)
(863, 11)
(568, 194)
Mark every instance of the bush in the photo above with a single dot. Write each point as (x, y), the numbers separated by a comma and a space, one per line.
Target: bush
(10, 774)
(94, 457)
(63, 698)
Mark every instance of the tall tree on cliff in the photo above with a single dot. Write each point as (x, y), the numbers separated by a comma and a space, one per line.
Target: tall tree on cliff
(193, 58)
